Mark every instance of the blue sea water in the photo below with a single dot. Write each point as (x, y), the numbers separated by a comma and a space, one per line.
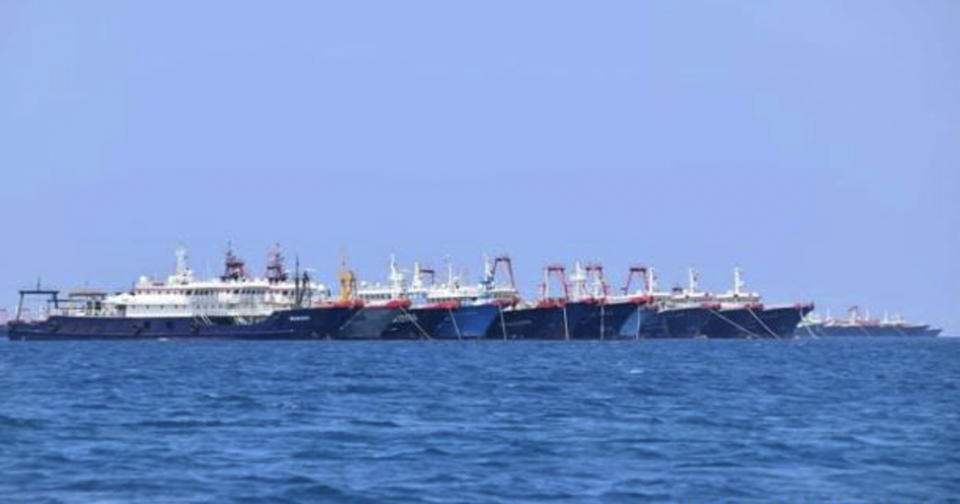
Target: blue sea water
(665, 421)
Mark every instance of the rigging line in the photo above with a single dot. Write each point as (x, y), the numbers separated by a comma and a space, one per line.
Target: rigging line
(413, 320)
(456, 327)
(503, 323)
(775, 336)
(347, 322)
(636, 334)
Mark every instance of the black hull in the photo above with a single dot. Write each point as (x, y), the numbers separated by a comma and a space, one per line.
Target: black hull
(367, 323)
(417, 323)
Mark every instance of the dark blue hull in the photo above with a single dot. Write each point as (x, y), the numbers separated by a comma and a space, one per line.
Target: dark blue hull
(783, 321)
(552, 322)
(308, 323)
(640, 323)
(467, 322)
(666, 323)
(734, 323)
(602, 321)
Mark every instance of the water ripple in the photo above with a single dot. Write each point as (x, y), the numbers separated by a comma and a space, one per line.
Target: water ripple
(681, 421)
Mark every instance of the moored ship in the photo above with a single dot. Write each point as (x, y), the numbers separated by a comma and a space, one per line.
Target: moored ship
(472, 310)
(232, 306)
(448, 310)
(604, 313)
(742, 314)
(676, 314)
(550, 317)
(858, 324)
(737, 316)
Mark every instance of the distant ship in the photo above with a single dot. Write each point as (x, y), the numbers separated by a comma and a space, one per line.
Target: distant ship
(234, 305)
(858, 324)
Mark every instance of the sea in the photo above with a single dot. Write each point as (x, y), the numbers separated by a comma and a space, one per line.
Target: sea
(685, 421)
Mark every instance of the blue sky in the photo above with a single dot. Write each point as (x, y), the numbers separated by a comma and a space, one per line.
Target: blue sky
(815, 144)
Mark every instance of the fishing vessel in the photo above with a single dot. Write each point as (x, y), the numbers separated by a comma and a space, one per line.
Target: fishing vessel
(582, 309)
(447, 310)
(858, 324)
(406, 322)
(550, 317)
(738, 314)
(742, 314)
(472, 310)
(603, 313)
(375, 307)
(679, 313)
(234, 305)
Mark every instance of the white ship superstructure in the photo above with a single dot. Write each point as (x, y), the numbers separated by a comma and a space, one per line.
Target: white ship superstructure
(421, 289)
(234, 294)
(486, 291)
(738, 296)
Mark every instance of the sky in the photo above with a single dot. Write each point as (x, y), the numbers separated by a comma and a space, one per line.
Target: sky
(812, 143)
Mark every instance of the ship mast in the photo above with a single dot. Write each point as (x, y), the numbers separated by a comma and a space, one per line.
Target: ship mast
(692, 281)
(275, 270)
(651, 282)
(579, 281)
(234, 267)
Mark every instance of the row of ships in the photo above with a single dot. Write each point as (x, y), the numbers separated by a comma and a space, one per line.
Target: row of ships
(416, 304)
